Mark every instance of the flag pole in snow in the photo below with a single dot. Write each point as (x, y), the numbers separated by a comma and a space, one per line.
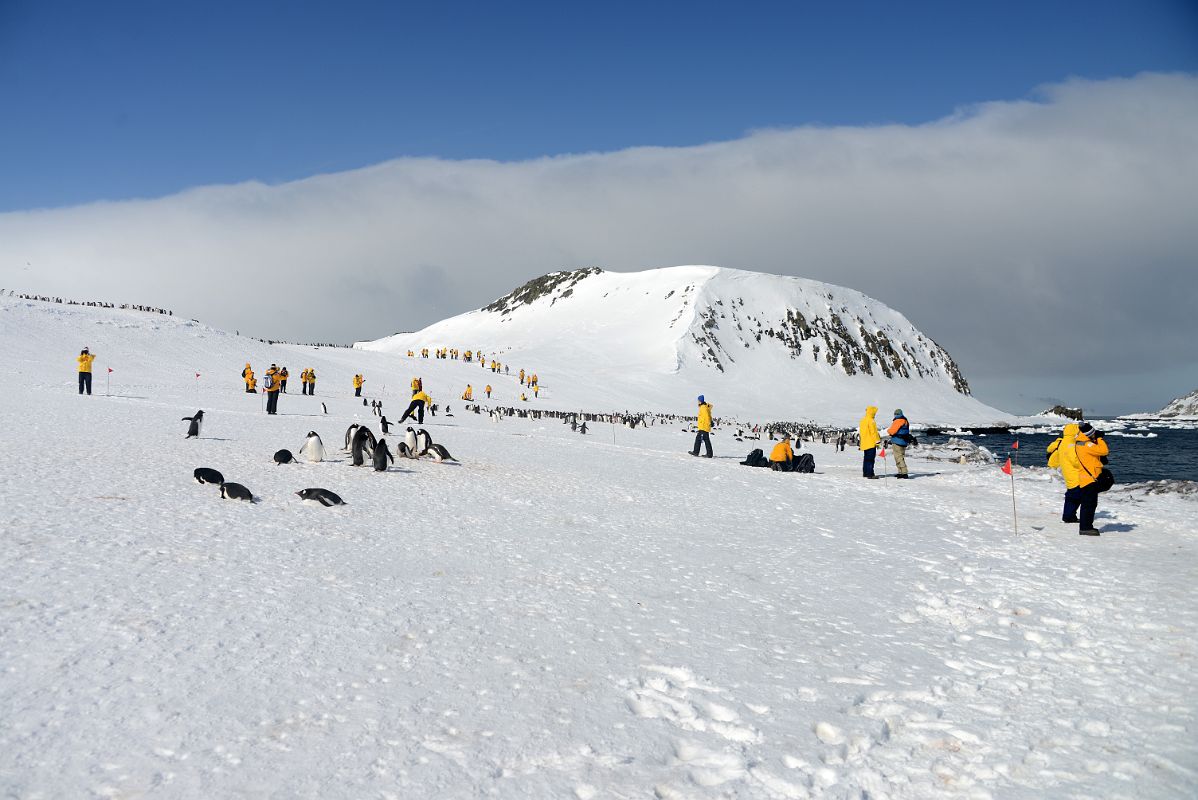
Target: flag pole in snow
(108, 385)
(1014, 512)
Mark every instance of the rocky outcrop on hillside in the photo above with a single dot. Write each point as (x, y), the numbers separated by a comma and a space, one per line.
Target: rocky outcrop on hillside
(1182, 406)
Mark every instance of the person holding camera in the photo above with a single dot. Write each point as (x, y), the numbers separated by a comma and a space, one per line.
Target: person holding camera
(1080, 454)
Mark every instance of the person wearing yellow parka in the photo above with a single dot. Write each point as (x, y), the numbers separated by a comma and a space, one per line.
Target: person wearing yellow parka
(420, 401)
(1079, 454)
(85, 370)
(782, 456)
(868, 431)
(273, 383)
(703, 434)
(358, 381)
(247, 375)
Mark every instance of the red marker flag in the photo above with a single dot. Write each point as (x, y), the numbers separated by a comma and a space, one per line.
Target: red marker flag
(882, 453)
(197, 374)
(1007, 467)
(1016, 445)
(110, 369)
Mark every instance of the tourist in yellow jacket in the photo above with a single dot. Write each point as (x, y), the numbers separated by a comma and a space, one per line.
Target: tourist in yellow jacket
(247, 375)
(868, 430)
(85, 370)
(782, 457)
(283, 376)
(468, 395)
(1078, 454)
(420, 401)
(703, 434)
(358, 381)
(311, 381)
(272, 383)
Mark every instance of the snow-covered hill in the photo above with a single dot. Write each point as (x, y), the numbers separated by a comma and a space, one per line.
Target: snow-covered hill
(757, 345)
(1180, 407)
(558, 615)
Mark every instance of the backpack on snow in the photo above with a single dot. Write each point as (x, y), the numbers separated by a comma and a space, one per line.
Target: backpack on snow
(755, 459)
(805, 463)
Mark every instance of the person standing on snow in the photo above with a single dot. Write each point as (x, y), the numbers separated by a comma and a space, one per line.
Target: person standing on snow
(1078, 454)
(85, 370)
(900, 436)
(867, 431)
(358, 381)
(247, 375)
(703, 436)
(272, 383)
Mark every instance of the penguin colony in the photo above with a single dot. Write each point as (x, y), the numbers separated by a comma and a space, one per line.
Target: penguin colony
(360, 443)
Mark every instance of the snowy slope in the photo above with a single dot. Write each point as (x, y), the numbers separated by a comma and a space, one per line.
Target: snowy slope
(558, 615)
(760, 346)
(1183, 408)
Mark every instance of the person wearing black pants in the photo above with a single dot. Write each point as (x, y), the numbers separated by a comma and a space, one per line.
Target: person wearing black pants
(85, 370)
(703, 426)
(416, 408)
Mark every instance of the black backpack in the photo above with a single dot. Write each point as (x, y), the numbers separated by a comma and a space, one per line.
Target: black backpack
(755, 459)
(805, 463)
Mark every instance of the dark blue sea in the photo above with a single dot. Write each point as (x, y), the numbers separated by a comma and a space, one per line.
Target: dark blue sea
(1169, 454)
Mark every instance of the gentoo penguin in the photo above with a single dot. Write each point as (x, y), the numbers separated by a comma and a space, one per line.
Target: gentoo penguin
(323, 407)
(284, 457)
(381, 456)
(362, 447)
(349, 434)
(403, 450)
(322, 496)
(313, 448)
(385, 424)
(409, 439)
(423, 440)
(194, 428)
(235, 491)
(439, 453)
(205, 475)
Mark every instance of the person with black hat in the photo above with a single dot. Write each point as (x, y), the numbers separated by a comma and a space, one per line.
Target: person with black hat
(85, 370)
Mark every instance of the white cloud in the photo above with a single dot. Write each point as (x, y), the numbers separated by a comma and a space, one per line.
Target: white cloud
(1040, 239)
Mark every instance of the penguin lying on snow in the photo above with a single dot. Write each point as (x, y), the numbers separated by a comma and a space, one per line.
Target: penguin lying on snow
(205, 475)
(381, 456)
(194, 428)
(313, 448)
(322, 496)
(403, 450)
(284, 457)
(439, 453)
(235, 491)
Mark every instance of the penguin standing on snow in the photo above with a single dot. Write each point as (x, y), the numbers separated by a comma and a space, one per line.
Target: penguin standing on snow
(423, 442)
(313, 448)
(193, 430)
(386, 426)
(349, 434)
(381, 456)
(409, 440)
(362, 447)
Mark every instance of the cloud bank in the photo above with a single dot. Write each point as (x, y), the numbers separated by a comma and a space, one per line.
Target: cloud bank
(1049, 244)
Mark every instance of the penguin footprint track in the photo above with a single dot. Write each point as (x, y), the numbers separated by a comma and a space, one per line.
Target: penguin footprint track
(675, 695)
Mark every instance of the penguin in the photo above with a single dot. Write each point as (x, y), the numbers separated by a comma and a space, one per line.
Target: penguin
(362, 446)
(323, 407)
(403, 450)
(322, 496)
(284, 457)
(409, 439)
(385, 424)
(205, 475)
(423, 441)
(363, 401)
(313, 448)
(381, 456)
(235, 491)
(439, 453)
(349, 434)
(194, 428)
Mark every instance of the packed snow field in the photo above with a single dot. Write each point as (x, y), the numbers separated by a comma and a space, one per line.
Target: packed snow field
(555, 616)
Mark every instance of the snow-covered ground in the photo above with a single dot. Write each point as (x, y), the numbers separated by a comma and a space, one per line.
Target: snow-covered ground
(558, 615)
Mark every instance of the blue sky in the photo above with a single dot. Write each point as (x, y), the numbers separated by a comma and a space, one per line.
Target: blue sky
(119, 100)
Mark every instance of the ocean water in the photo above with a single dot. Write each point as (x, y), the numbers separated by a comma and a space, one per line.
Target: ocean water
(1139, 451)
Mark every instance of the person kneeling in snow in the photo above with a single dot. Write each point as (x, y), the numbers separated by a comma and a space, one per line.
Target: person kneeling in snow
(782, 457)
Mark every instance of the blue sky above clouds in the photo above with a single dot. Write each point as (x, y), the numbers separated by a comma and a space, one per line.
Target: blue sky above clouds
(991, 170)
